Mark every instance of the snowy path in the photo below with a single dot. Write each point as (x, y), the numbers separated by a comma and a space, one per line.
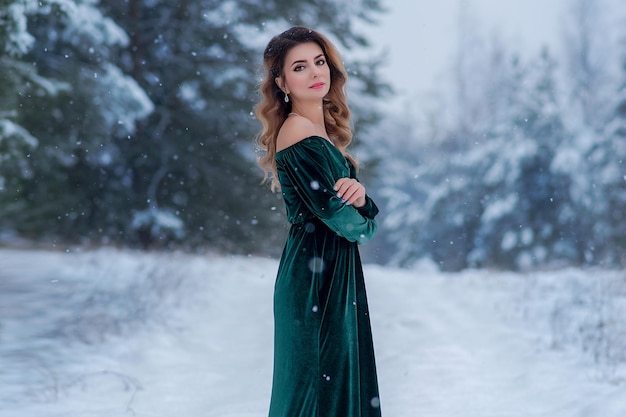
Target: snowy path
(446, 345)
(454, 352)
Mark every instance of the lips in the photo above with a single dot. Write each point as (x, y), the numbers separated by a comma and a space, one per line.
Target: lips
(317, 86)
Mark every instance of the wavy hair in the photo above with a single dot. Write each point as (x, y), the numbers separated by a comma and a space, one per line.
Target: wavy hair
(272, 111)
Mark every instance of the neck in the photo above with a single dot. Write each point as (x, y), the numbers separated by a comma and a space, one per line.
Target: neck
(315, 113)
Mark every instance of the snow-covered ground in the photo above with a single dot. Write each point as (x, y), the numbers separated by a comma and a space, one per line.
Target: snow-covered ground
(116, 333)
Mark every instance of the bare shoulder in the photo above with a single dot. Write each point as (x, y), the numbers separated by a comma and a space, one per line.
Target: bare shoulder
(295, 129)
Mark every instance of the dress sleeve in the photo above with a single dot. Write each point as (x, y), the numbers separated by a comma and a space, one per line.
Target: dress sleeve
(369, 210)
(307, 164)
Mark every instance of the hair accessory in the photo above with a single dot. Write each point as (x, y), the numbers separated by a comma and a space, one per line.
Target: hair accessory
(286, 98)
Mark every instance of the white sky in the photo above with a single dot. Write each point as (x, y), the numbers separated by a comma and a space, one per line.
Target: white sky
(421, 35)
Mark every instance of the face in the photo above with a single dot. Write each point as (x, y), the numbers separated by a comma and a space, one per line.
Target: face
(306, 73)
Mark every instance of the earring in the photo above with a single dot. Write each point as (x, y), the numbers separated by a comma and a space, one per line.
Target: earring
(286, 98)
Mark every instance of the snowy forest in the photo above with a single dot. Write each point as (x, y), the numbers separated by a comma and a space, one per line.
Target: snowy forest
(129, 123)
(521, 164)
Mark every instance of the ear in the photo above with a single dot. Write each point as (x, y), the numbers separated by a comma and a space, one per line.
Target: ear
(281, 84)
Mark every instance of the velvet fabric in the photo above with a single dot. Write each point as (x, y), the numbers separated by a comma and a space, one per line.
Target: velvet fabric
(323, 352)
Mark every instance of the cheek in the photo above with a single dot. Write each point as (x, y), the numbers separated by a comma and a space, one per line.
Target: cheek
(292, 79)
(328, 77)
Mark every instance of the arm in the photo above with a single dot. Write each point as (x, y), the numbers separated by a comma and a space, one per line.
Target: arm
(308, 166)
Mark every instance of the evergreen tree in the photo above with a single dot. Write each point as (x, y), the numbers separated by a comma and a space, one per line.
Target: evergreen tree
(588, 157)
(78, 129)
(527, 211)
(20, 78)
(401, 190)
(606, 159)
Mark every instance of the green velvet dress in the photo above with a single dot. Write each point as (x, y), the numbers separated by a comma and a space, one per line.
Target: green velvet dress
(323, 352)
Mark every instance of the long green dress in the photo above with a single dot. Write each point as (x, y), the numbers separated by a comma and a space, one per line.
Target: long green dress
(323, 353)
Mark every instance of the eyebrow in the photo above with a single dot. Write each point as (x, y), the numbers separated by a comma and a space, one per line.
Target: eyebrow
(304, 60)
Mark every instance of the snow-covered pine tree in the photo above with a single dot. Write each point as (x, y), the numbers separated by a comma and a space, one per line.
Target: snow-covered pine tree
(606, 159)
(588, 155)
(527, 210)
(78, 128)
(18, 78)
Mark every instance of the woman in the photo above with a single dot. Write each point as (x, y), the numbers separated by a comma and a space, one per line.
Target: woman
(323, 352)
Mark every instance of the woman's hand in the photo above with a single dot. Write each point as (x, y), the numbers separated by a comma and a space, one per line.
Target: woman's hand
(350, 191)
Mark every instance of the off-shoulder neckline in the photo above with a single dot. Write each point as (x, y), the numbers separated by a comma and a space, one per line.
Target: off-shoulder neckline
(306, 138)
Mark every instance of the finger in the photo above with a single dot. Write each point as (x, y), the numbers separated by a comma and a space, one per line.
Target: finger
(342, 185)
(340, 182)
(349, 192)
(354, 193)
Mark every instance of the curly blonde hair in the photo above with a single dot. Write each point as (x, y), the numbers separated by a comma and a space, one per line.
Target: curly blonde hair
(272, 111)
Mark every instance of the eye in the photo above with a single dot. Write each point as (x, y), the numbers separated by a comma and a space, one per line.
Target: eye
(321, 62)
(298, 68)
